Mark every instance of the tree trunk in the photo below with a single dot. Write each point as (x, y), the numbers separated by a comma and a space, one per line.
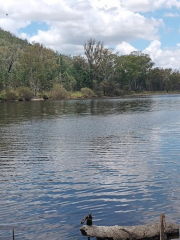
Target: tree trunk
(150, 231)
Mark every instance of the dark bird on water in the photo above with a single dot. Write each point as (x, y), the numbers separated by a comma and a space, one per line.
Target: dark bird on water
(88, 219)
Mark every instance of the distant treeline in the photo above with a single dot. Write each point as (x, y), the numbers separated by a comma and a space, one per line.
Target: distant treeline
(99, 69)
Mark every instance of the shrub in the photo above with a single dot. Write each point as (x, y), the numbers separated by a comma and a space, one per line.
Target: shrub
(69, 82)
(118, 92)
(125, 89)
(10, 95)
(45, 96)
(59, 92)
(3, 95)
(87, 92)
(76, 95)
(25, 93)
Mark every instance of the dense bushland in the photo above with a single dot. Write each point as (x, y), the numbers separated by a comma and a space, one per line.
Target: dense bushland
(32, 70)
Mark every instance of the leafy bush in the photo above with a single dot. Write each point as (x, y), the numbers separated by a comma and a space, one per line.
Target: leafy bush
(45, 96)
(59, 92)
(126, 89)
(69, 82)
(3, 95)
(25, 93)
(109, 88)
(76, 95)
(118, 92)
(87, 92)
(10, 95)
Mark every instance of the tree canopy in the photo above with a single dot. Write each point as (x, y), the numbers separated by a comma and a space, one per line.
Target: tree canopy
(106, 73)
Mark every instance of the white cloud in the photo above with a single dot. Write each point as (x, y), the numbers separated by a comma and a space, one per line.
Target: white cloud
(124, 48)
(171, 15)
(111, 28)
(75, 21)
(138, 6)
(166, 4)
(154, 49)
(72, 22)
(165, 58)
(149, 5)
(12, 25)
(54, 41)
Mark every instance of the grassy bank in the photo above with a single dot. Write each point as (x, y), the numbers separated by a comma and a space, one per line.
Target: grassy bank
(58, 92)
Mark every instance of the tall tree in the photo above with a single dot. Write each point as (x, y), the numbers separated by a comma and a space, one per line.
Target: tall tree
(159, 79)
(98, 58)
(9, 57)
(80, 72)
(133, 70)
(41, 64)
(173, 82)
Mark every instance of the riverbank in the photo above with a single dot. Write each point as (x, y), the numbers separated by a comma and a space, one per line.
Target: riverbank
(91, 95)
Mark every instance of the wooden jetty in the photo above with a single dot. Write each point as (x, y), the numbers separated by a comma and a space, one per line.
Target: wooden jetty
(161, 230)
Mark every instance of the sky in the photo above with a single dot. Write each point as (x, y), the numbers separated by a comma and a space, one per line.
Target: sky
(150, 26)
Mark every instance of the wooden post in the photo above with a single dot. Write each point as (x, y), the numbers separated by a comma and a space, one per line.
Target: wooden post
(162, 226)
(13, 234)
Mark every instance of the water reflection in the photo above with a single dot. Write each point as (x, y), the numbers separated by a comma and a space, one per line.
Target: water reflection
(45, 109)
(117, 158)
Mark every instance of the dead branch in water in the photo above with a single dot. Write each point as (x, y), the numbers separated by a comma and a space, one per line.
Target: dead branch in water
(158, 231)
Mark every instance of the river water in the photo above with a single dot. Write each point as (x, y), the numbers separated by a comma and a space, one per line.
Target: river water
(118, 159)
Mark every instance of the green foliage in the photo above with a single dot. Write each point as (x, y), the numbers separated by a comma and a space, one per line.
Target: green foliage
(76, 95)
(109, 88)
(119, 92)
(161, 79)
(51, 74)
(3, 95)
(69, 82)
(125, 89)
(10, 95)
(80, 71)
(133, 70)
(8, 38)
(99, 59)
(25, 93)
(45, 95)
(40, 67)
(59, 92)
(87, 92)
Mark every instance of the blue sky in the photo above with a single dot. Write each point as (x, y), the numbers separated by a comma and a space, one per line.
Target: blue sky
(33, 27)
(150, 26)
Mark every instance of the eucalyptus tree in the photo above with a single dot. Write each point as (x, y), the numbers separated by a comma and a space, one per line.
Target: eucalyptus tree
(144, 65)
(11, 39)
(11, 48)
(132, 70)
(9, 57)
(98, 58)
(40, 64)
(173, 83)
(80, 72)
(65, 63)
(159, 79)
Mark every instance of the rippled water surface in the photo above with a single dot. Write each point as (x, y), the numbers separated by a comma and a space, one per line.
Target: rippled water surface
(60, 160)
